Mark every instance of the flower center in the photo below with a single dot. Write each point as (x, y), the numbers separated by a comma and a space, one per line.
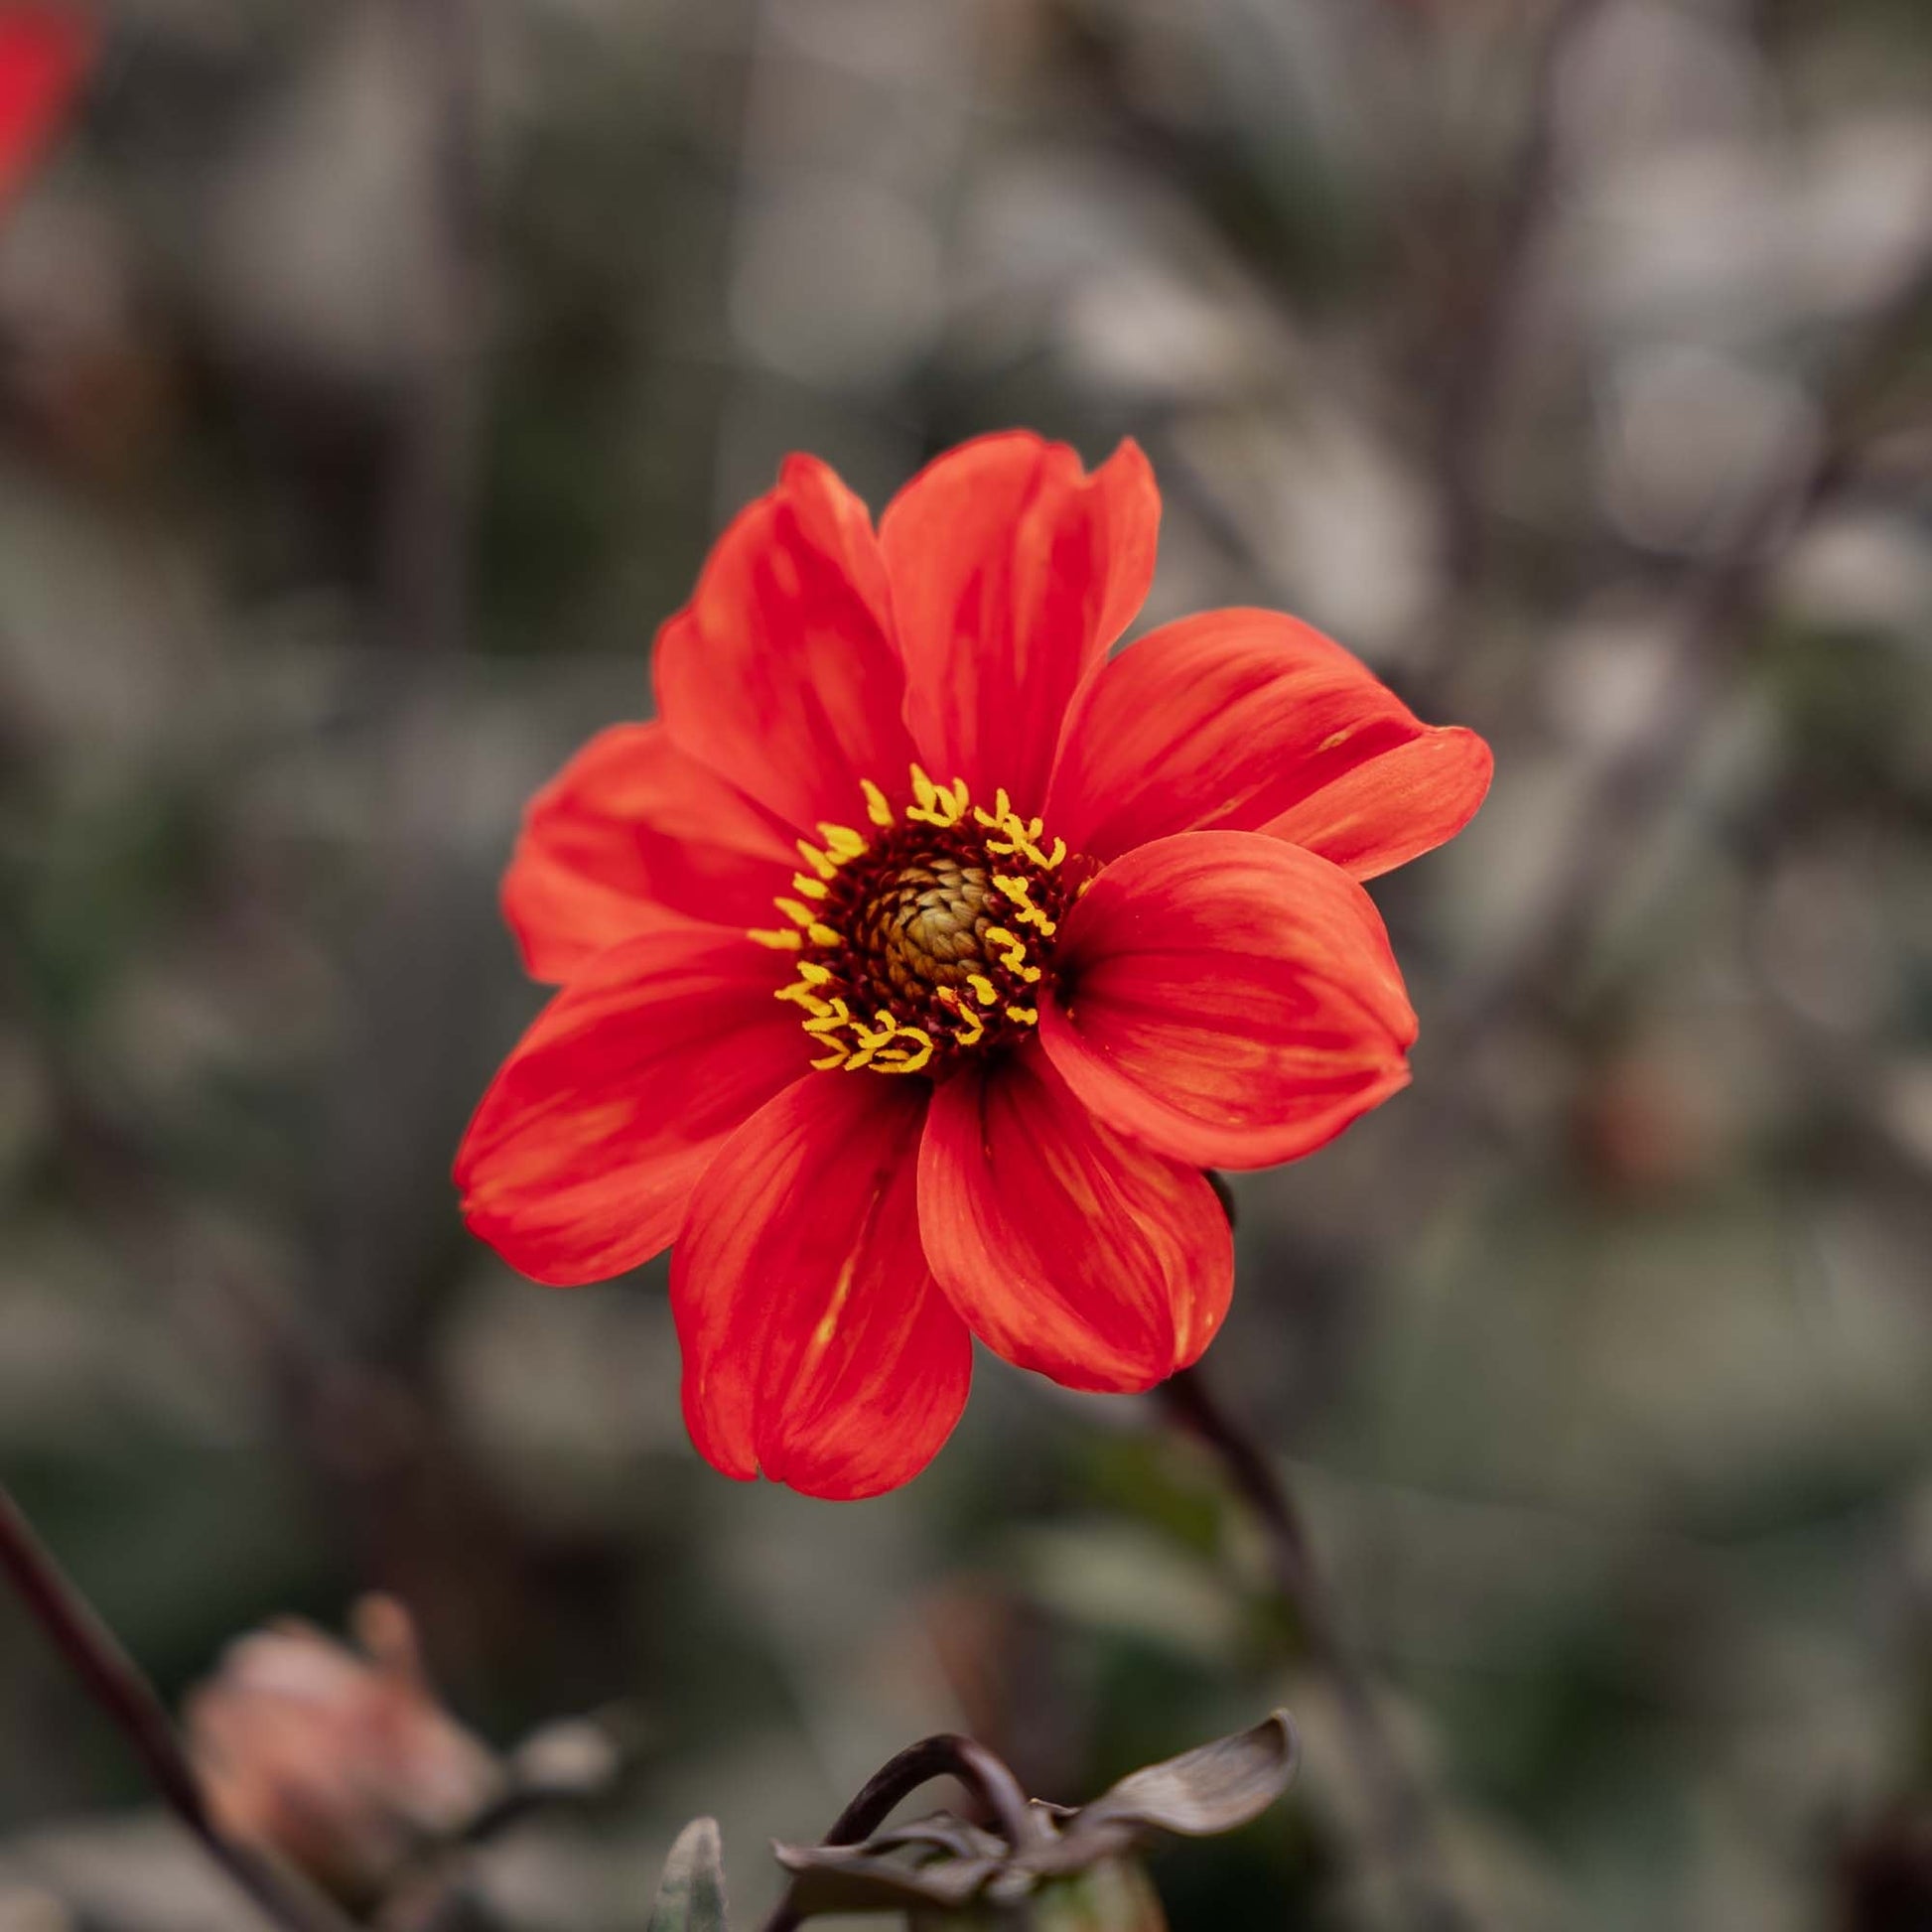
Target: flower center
(925, 935)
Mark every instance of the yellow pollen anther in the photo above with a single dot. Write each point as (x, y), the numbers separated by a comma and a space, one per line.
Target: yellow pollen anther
(785, 941)
(878, 809)
(982, 987)
(1013, 958)
(972, 1027)
(940, 805)
(802, 995)
(1020, 835)
(871, 1040)
(817, 860)
(1019, 891)
(795, 910)
(909, 1051)
(812, 887)
(843, 843)
(1024, 1015)
(823, 935)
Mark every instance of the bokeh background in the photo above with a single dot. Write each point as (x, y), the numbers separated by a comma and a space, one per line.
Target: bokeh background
(372, 377)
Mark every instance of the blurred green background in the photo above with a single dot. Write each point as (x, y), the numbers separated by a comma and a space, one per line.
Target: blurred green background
(373, 375)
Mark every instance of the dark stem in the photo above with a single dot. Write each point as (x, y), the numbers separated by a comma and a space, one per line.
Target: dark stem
(111, 1678)
(430, 487)
(947, 1755)
(1401, 1810)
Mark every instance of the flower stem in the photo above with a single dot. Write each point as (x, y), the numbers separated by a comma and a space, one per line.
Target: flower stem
(111, 1678)
(1402, 1813)
(947, 1755)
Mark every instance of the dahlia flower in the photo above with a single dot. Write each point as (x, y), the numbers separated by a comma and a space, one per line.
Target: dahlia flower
(918, 957)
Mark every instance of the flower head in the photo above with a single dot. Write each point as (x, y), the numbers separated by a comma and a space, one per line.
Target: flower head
(918, 958)
(44, 51)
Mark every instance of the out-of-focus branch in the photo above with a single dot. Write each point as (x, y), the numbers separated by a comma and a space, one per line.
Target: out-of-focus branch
(947, 1755)
(569, 1761)
(1476, 362)
(1711, 632)
(1713, 629)
(429, 506)
(1401, 1809)
(118, 1687)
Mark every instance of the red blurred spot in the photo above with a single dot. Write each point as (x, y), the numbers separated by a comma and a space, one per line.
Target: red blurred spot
(44, 51)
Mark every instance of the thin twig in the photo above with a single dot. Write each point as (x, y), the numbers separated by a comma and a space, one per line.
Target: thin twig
(1475, 371)
(1403, 1814)
(947, 1755)
(430, 484)
(118, 1687)
(1715, 624)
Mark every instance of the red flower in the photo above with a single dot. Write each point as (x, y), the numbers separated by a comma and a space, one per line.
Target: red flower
(44, 51)
(918, 958)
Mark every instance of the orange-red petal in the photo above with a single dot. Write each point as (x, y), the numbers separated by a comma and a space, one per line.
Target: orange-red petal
(1250, 720)
(817, 1347)
(1067, 1248)
(780, 673)
(44, 51)
(582, 1155)
(1012, 572)
(1228, 1000)
(632, 836)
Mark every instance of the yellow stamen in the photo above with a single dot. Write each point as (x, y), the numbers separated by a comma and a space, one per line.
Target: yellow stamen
(843, 843)
(821, 934)
(899, 1060)
(803, 996)
(777, 941)
(1024, 1015)
(1014, 959)
(940, 805)
(1019, 891)
(817, 860)
(812, 887)
(877, 807)
(795, 910)
(1019, 837)
(982, 988)
(870, 1042)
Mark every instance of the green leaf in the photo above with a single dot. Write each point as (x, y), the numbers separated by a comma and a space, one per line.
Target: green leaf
(1213, 1788)
(691, 1893)
(831, 1878)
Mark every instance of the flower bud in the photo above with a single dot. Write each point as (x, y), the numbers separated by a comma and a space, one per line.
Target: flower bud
(342, 1765)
